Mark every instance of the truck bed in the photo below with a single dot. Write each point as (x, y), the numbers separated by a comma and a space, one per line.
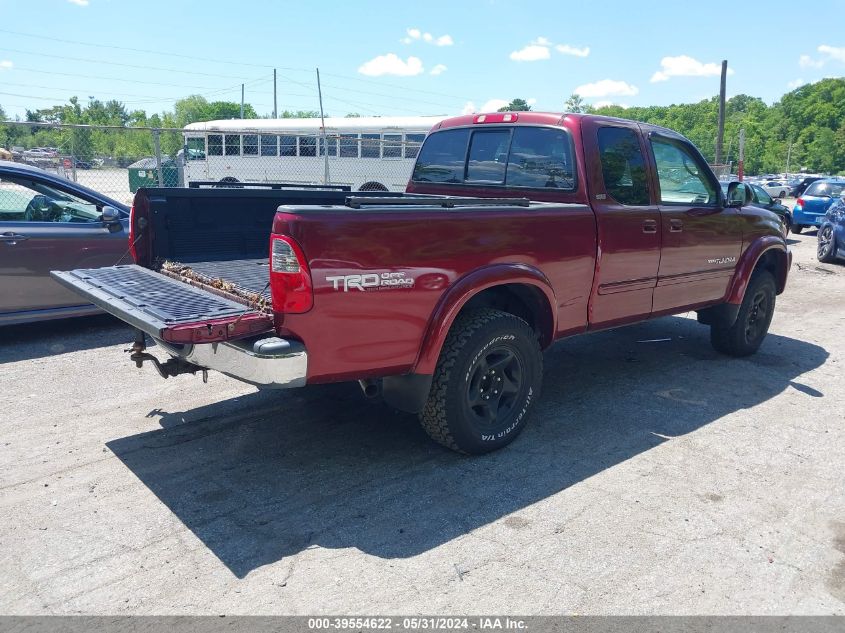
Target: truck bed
(246, 280)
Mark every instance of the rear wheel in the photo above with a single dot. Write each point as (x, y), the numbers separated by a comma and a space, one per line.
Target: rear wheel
(827, 245)
(486, 382)
(746, 334)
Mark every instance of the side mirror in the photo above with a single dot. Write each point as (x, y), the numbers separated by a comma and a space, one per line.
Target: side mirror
(111, 219)
(739, 194)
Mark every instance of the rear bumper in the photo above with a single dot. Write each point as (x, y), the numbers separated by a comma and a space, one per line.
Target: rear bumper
(267, 362)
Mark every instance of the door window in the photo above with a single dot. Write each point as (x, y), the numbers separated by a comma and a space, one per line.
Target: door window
(682, 179)
(622, 166)
(30, 201)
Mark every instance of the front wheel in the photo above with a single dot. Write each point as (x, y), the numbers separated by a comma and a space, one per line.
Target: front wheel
(826, 251)
(746, 334)
(486, 382)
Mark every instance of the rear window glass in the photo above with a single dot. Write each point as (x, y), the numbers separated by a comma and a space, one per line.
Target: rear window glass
(442, 157)
(512, 156)
(488, 156)
(832, 189)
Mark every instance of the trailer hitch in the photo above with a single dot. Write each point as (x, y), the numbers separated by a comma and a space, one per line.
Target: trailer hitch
(171, 367)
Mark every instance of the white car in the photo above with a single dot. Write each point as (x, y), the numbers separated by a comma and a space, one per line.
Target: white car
(776, 188)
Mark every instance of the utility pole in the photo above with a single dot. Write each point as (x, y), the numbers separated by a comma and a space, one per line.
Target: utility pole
(323, 131)
(275, 110)
(741, 169)
(720, 135)
(242, 101)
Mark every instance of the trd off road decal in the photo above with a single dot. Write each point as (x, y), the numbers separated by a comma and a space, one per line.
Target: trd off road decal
(370, 281)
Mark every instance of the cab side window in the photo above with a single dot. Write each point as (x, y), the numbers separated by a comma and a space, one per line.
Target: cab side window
(622, 166)
(682, 180)
(28, 201)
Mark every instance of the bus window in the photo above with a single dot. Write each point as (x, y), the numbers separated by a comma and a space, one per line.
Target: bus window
(370, 146)
(195, 148)
(307, 145)
(233, 144)
(412, 144)
(269, 145)
(329, 142)
(287, 146)
(250, 144)
(392, 146)
(215, 145)
(349, 146)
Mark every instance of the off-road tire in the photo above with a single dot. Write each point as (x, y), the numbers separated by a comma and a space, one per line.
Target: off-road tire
(826, 250)
(481, 342)
(746, 334)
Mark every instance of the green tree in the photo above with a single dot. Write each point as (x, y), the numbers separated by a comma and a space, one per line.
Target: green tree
(576, 104)
(517, 105)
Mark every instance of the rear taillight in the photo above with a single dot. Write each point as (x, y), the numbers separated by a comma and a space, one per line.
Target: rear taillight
(140, 231)
(799, 204)
(290, 280)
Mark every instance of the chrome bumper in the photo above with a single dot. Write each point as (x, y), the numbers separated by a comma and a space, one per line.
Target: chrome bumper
(266, 362)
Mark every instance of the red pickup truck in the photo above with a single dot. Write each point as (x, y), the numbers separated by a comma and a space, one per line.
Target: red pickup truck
(516, 230)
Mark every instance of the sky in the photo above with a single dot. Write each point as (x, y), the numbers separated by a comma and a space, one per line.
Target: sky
(409, 58)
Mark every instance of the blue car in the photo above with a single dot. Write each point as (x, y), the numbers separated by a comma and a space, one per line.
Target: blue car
(811, 207)
(832, 233)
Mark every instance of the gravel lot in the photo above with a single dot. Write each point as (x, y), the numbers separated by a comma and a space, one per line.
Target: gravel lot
(655, 477)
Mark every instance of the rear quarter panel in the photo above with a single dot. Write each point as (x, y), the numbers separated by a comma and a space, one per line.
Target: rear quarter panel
(351, 333)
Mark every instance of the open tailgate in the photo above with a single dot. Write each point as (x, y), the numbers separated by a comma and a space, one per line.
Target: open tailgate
(165, 308)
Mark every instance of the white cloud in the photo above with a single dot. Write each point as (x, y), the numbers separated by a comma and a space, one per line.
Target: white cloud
(541, 47)
(494, 104)
(439, 69)
(833, 52)
(414, 35)
(392, 64)
(79, 3)
(5, 64)
(792, 85)
(531, 53)
(805, 61)
(491, 105)
(566, 49)
(686, 66)
(531, 101)
(829, 53)
(607, 88)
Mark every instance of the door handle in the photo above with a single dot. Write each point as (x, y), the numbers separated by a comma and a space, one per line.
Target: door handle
(650, 226)
(676, 226)
(12, 238)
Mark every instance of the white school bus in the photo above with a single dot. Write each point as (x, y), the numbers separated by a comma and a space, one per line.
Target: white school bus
(364, 153)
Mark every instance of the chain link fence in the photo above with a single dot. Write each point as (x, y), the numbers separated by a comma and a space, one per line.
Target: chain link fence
(116, 161)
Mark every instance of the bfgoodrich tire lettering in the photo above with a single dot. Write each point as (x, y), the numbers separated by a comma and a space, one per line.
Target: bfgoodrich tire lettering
(746, 334)
(486, 382)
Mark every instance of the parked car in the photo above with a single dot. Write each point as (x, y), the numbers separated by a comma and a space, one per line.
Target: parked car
(48, 222)
(810, 208)
(762, 199)
(516, 230)
(831, 236)
(776, 188)
(799, 187)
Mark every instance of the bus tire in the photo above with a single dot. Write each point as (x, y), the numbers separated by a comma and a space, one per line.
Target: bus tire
(230, 181)
(372, 186)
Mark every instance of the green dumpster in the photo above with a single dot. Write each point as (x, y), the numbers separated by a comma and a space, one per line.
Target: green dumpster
(142, 173)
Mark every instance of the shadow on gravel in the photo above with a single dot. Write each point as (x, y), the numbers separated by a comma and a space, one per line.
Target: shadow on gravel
(264, 476)
(38, 340)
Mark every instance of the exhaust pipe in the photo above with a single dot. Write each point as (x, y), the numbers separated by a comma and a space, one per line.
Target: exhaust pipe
(371, 387)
